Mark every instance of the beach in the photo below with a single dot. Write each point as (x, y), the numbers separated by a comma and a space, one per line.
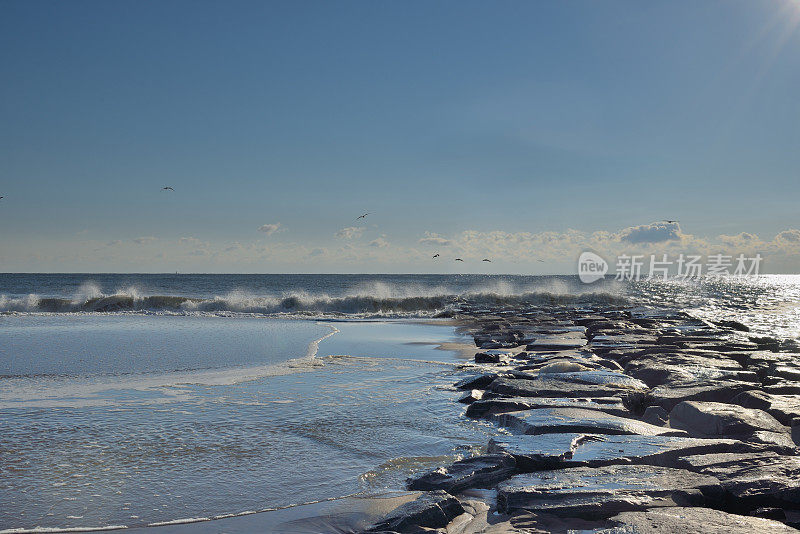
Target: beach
(216, 404)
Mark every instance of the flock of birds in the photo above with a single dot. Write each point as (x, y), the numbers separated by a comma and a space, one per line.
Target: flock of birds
(364, 216)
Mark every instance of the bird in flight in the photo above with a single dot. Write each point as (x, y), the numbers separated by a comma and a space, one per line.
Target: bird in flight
(487, 259)
(2, 197)
(168, 188)
(459, 259)
(540, 261)
(669, 222)
(362, 216)
(435, 255)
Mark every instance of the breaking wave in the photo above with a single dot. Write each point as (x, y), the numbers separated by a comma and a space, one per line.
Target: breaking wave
(424, 302)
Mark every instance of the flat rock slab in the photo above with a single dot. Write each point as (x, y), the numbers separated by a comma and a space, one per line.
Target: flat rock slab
(560, 420)
(602, 378)
(434, 509)
(692, 521)
(605, 491)
(489, 407)
(476, 472)
(545, 386)
(554, 343)
(784, 408)
(551, 451)
(716, 419)
(758, 480)
(713, 391)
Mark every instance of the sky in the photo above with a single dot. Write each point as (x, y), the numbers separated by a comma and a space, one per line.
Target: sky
(521, 132)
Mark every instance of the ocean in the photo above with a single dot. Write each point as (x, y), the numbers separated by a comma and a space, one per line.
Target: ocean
(136, 400)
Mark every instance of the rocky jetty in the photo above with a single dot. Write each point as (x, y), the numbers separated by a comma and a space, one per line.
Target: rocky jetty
(619, 420)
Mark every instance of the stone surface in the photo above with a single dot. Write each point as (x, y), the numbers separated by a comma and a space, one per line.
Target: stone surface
(475, 382)
(655, 415)
(488, 407)
(551, 451)
(605, 491)
(555, 420)
(472, 396)
(692, 521)
(475, 472)
(784, 408)
(754, 480)
(554, 343)
(715, 419)
(434, 509)
(550, 387)
(721, 391)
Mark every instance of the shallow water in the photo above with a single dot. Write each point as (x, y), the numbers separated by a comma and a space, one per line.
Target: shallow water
(137, 438)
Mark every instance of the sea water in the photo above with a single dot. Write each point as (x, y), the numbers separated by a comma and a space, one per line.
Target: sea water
(133, 400)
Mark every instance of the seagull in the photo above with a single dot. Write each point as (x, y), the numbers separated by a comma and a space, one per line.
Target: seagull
(435, 255)
(459, 259)
(487, 259)
(540, 261)
(670, 222)
(362, 216)
(2, 198)
(168, 188)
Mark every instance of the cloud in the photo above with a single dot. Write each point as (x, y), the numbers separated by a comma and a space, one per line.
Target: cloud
(144, 240)
(193, 241)
(788, 237)
(270, 229)
(651, 233)
(379, 243)
(351, 232)
(432, 238)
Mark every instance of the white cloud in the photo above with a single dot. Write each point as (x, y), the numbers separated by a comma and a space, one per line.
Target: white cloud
(144, 240)
(432, 238)
(351, 232)
(789, 237)
(651, 233)
(270, 229)
(379, 243)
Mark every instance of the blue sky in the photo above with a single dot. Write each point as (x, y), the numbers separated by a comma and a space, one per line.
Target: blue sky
(467, 120)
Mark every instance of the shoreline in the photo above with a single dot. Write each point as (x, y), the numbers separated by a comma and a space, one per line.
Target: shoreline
(647, 420)
(589, 393)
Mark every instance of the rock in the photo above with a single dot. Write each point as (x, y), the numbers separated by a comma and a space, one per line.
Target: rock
(753, 480)
(723, 391)
(550, 387)
(472, 396)
(602, 378)
(552, 451)
(688, 520)
(733, 325)
(605, 491)
(493, 356)
(433, 510)
(788, 372)
(556, 420)
(556, 343)
(655, 415)
(488, 407)
(475, 382)
(475, 472)
(783, 387)
(562, 367)
(784, 408)
(715, 419)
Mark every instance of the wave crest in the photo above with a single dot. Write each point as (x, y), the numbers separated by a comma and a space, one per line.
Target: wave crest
(373, 302)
